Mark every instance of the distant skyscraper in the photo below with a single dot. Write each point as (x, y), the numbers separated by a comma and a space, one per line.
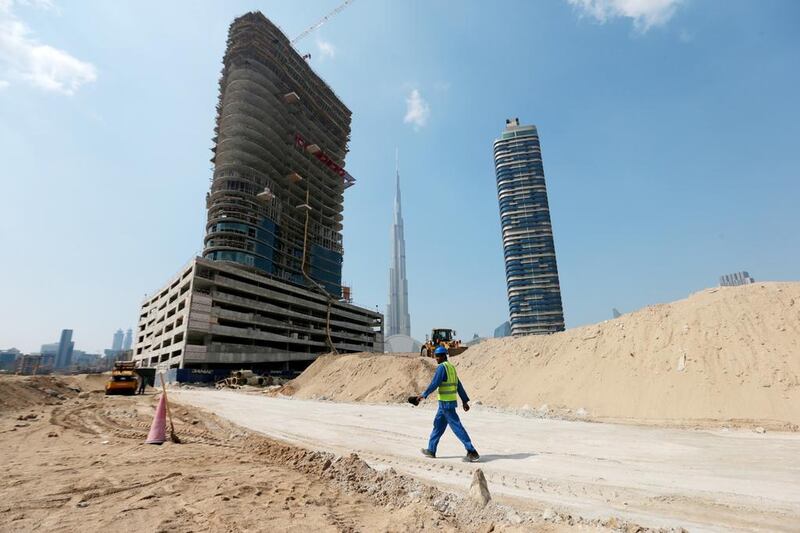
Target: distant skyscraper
(737, 278)
(65, 347)
(116, 344)
(398, 321)
(49, 349)
(127, 344)
(534, 293)
(503, 330)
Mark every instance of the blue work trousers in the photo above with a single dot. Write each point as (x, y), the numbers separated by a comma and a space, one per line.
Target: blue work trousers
(446, 415)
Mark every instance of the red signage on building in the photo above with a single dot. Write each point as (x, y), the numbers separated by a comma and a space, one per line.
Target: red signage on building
(326, 160)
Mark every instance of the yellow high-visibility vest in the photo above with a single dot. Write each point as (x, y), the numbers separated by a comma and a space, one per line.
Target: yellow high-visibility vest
(449, 387)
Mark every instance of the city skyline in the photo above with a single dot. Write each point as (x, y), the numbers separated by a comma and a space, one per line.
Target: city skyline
(635, 112)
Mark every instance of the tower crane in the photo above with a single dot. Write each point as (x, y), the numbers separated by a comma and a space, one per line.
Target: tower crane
(323, 20)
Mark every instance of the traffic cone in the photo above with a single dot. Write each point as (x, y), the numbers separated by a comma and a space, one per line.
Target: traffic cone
(158, 429)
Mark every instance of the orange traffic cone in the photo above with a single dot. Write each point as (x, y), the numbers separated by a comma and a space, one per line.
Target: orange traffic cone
(158, 429)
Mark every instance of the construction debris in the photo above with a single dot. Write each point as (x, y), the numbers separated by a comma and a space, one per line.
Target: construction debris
(248, 378)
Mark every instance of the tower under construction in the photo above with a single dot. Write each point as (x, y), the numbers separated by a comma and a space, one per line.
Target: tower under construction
(280, 142)
(267, 292)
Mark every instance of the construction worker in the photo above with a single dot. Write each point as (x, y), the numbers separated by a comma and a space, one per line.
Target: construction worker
(450, 388)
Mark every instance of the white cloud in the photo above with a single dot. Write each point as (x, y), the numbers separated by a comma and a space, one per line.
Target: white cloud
(417, 110)
(326, 49)
(3, 84)
(23, 57)
(46, 5)
(645, 13)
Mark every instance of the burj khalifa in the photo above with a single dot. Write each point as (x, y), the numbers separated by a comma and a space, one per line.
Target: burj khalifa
(398, 321)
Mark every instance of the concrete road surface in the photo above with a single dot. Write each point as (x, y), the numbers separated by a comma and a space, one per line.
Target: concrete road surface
(702, 480)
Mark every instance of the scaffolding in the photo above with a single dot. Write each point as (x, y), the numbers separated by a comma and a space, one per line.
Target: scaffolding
(281, 136)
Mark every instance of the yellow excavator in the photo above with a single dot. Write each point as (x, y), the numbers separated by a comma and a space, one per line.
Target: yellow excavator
(442, 337)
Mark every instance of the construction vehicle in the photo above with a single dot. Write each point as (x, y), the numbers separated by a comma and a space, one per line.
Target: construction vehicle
(124, 379)
(442, 337)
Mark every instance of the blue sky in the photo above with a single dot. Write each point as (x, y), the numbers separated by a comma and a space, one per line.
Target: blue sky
(669, 134)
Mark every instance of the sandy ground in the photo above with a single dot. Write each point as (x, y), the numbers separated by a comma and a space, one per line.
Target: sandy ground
(722, 356)
(75, 460)
(727, 356)
(363, 377)
(702, 480)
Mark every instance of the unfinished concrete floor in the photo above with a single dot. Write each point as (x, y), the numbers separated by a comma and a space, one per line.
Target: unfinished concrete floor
(701, 480)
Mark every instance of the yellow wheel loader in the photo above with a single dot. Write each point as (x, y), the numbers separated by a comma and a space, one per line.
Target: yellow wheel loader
(442, 337)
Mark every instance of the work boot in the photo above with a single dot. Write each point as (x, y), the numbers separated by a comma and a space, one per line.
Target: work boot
(471, 457)
(427, 453)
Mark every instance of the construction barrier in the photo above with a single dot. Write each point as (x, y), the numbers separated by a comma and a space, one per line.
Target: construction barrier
(195, 375)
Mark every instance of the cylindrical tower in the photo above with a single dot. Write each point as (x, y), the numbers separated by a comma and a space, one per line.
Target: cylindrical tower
(534, 293)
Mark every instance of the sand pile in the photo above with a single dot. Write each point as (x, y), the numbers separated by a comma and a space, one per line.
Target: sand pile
(89, 382)
(727, 355)
(20, 392)
(362, 378)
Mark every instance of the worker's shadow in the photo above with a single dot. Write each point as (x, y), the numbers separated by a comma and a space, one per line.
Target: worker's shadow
(496, 456)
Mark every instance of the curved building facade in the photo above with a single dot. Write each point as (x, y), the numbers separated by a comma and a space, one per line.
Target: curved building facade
(534, 293)
(280, 141)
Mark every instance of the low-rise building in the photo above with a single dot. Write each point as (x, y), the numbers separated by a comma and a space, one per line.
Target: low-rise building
(83, 361)
(8, 359)
(401, 344)
(30, 364)
(736, 279)
(215, 314)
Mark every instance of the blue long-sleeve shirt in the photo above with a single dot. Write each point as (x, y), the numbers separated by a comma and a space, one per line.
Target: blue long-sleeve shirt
(438, 377)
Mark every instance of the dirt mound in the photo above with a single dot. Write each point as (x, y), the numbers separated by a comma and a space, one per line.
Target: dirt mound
(22, 392)
(89, 382)
(363, 378)
(723, 354)
(728, 355)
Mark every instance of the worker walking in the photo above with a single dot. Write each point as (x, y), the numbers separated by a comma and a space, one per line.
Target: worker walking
(450, 388)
